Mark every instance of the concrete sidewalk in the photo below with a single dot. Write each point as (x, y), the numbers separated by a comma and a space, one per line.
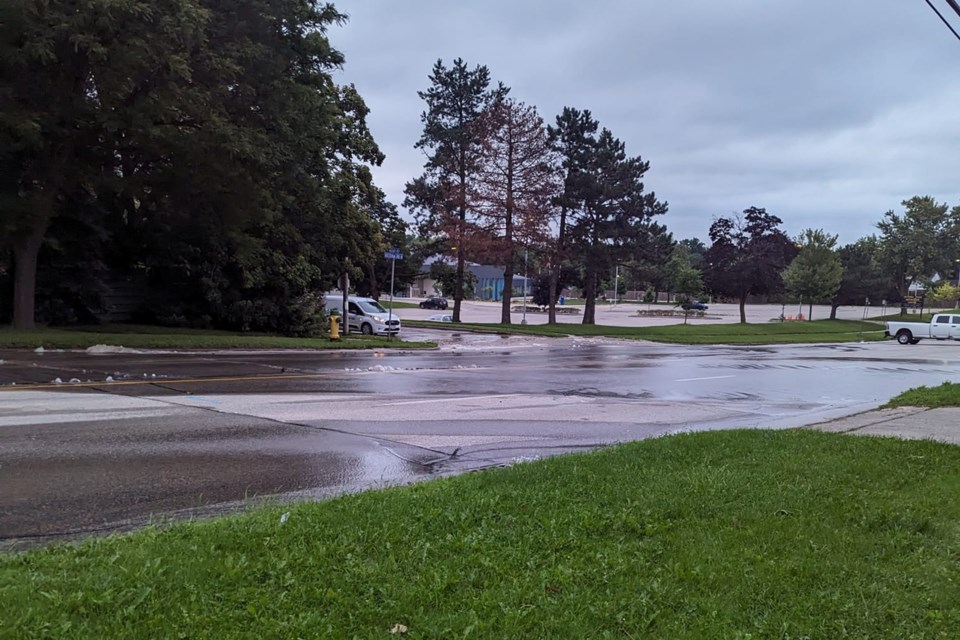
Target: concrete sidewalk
(910, 423)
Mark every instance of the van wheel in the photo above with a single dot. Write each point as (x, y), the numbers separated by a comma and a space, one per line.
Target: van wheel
(904, 337)
(366, 329)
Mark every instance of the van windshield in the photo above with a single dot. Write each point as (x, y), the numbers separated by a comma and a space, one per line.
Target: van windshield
(370, 306)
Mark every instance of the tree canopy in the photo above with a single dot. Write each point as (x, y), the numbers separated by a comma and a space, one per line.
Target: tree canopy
(815, 274)
(196, 146)
(442, 198)
(747, 255)
(919, 243)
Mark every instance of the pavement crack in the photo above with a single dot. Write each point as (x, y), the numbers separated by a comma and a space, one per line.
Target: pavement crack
(899, 416)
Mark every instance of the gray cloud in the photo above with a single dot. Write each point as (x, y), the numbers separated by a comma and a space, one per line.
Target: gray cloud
(827, 113)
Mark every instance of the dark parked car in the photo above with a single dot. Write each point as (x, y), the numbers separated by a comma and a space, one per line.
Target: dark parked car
(434, 302)
(694, 305)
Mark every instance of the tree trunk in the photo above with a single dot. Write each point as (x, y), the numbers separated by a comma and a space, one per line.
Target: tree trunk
(554, 282)
(374, 285)
(26, 249)
(507, 289)
(743, 309)
(810, 312)
(833, 311)
(461, 236)
(590, 297)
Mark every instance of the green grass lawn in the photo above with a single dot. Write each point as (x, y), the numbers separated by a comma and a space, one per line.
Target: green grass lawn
(946, 395)
(694, 333)
(397, 304)
(910, 317)
(151, 337)
(733, 534)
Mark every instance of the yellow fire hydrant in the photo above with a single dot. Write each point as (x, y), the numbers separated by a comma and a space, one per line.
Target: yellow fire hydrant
(334, 326)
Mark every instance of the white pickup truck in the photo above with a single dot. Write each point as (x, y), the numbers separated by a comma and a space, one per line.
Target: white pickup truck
(942, 327)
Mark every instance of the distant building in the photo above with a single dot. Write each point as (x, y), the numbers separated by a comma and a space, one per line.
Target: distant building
(489, 286)
(491, 283)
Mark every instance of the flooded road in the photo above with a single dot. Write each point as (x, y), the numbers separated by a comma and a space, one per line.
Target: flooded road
(93, 442)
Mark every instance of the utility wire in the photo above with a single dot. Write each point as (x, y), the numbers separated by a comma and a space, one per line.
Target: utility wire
(944, 20)
(953, 5)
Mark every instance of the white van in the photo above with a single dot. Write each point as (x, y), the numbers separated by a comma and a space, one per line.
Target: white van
(366, 315)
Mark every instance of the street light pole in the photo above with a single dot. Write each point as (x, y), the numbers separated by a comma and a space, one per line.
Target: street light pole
(524, 320)
(393, 254)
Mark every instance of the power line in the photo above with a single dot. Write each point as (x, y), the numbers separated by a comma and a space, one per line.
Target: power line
(944, 20)
(953, 5)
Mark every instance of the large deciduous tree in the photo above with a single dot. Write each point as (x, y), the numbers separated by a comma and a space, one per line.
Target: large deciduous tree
(919, 243)
(518, 179)
(61, 67)
(747, 256)
(815, 274)
(204, 139)
(452, 139)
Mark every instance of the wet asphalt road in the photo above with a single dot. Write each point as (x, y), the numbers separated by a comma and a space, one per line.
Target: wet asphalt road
(191, 434)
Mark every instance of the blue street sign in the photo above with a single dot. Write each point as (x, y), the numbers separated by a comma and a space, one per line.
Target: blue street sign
(393, 254)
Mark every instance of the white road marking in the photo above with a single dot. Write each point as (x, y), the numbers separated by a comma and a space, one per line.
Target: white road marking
(707, 378)
(453, 399)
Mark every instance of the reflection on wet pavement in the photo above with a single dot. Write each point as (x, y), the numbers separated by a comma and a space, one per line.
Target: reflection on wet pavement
(193, 434)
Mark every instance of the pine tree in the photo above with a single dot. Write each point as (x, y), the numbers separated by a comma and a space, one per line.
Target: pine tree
(453, 141)
(573, 137)
(614, 214)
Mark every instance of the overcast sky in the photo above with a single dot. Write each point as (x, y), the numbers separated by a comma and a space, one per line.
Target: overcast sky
(825, 112)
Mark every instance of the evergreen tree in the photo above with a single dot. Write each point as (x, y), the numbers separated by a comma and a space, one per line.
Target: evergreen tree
(614, 214)
(453, 141)
(573, 137)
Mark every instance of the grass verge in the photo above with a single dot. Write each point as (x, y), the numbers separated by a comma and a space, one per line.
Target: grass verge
(693, 333)
(735, 534)
(946, 395)
(910, 317)
(397, 304)
(150, 337)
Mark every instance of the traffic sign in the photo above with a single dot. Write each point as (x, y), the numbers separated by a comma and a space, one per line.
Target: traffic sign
(393, 254)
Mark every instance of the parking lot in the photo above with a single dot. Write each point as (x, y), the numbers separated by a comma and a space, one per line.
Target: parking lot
(625, 314)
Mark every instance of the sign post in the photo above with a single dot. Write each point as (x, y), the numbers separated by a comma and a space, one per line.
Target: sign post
(393, 254)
